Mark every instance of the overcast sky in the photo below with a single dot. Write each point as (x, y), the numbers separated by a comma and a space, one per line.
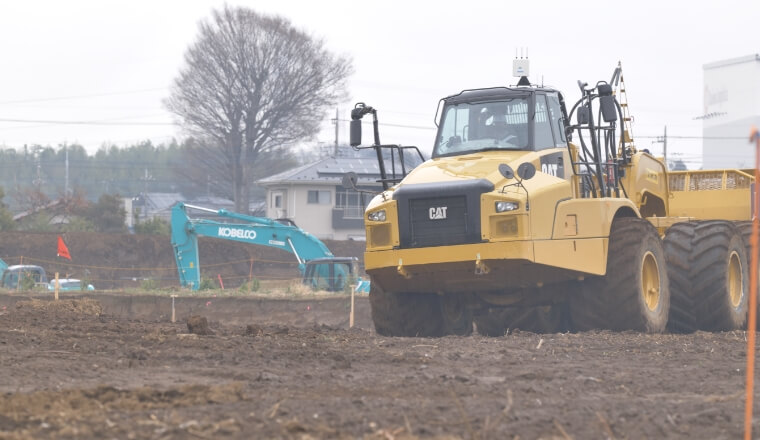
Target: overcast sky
(112, 62)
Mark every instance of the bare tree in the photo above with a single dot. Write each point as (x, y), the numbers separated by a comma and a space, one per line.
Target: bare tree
(253, 83)
(209, 171)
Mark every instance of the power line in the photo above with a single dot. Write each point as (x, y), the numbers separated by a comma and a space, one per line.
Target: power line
(94, 95)
(695, 137)
(44, 121)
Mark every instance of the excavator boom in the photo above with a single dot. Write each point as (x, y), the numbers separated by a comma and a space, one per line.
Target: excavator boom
(252, 230)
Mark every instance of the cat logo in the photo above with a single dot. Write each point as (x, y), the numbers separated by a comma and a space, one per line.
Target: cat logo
(438, 212)
(550, 168)
(652, 176)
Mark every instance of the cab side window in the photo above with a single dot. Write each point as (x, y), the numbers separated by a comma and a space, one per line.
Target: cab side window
(557, 121)
(544, 138)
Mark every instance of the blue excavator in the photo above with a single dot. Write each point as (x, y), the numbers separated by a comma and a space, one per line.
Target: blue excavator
(319, 268)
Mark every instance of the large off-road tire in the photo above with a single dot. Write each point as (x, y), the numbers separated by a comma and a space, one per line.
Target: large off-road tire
(634, 294)
(456, 316)
(678, 248)
(709, 276)
(720, 276)
(405, 314)
(745, 229)
(537, 319)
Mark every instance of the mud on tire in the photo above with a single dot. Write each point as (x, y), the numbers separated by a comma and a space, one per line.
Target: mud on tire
(634, 294)
(405, 314)
(678, 247)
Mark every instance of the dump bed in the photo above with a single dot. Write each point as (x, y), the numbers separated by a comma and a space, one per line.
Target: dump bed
(711, 194)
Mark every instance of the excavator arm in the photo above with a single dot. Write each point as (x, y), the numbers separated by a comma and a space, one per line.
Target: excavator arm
(253, 230)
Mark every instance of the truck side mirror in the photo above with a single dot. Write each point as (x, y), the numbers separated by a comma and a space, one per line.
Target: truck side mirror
(506, 171)
(583, 114)
(607, 103)
(526, 171)
(356, 132)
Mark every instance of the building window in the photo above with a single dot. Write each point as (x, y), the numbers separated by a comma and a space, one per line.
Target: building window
(319, 197)
(352, 202)
(276, 200)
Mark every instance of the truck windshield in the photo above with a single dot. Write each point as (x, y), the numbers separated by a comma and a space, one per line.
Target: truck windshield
(491, 125)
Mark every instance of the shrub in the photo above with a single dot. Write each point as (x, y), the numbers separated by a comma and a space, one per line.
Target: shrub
(149, 284)
(207, 284)
(251, 286)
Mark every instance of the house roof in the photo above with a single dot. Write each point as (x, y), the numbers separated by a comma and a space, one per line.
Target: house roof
(330, 170)
(161, 201)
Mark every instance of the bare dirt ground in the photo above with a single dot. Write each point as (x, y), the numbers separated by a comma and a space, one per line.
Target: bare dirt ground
(82, 368)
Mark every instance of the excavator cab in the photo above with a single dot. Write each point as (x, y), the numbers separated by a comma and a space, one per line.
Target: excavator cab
(330, 274)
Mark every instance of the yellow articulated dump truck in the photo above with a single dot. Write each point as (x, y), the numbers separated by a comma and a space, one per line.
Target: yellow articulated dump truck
(531, 216)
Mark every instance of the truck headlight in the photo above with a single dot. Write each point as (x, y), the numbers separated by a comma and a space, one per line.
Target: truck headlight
(506, 206)
(376, 216)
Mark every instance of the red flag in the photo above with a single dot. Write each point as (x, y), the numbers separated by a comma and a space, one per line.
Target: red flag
(63, 251)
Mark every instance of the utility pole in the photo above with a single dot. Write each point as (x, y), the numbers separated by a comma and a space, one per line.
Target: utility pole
(145, 180)
(335, 152)
(664, 141)
(66, 185)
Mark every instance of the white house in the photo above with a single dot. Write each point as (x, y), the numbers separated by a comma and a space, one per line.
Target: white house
(312, 196)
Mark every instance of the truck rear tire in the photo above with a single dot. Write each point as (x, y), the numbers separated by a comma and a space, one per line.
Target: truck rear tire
(719, 273)
(634, 294)
(405, 314)
(678, 247)
(709, 276)
(745, 229)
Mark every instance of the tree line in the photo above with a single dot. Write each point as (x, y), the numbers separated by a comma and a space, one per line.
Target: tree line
(34, 179)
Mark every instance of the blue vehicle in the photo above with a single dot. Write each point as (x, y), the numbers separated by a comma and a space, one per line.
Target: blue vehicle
(319, 268)
(11, 276)
(69, 285)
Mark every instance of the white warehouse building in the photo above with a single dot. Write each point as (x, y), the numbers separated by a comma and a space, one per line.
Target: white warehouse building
(731, 108)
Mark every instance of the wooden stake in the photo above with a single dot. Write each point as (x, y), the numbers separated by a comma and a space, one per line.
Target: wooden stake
(174, 316)
(351, 315)
(56, 286)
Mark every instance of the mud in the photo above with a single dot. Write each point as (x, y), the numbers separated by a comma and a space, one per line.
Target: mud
(75, 370)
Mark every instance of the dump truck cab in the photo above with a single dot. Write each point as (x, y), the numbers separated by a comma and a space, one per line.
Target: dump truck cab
(501, 119)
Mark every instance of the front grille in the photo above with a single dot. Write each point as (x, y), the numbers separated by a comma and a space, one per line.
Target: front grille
(421, 227)
(427, 230)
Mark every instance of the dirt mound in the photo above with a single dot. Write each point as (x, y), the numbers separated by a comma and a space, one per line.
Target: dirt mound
(80, 413)
(198, 325)
(111, 261)
(84, 306)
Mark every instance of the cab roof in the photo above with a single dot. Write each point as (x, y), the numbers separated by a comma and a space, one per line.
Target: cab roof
(494, 93)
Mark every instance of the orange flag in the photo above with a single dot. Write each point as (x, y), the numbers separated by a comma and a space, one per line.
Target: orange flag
(63, 251)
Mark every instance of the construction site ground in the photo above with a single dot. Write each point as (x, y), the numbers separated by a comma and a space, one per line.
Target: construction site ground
(113, 365)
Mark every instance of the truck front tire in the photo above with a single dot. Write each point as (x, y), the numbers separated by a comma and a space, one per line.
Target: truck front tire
(634, 294)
